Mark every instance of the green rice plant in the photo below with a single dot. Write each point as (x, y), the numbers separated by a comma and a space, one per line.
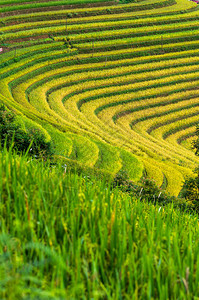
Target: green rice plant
(84, 150)
(137, 41)
(59, 223)
(131, 165)
(62, 143)
(114, 33)
(107, 22)
(109, 158)
(173, 125)
(154, 171)
(106, 34)
(165, 11)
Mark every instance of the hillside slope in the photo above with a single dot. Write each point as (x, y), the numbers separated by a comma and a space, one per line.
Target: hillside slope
(113, 84)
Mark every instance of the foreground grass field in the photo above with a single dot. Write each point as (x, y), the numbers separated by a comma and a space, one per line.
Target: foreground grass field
(66, 236)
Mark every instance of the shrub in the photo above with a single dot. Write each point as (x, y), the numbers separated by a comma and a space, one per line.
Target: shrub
(121, 179)
(147, 190)
(11, 133)
(190, 191)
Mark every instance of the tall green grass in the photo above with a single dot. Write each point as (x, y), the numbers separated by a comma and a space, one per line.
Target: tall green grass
(66, 236)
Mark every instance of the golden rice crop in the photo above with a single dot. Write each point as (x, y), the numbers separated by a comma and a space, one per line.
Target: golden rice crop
(173, 138)
(175, 124)
(151, 21)
(150, 30)
(133, 40)
(103, 34)
(167, 117)
(153, 171)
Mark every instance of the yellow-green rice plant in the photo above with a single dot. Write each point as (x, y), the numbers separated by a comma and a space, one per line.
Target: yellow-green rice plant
(41, 5)
(178, 7)
(84, 150)
(187, 140)
(35, 58)
(174, 178)
(109, 158)
(136, 40)
(69, 236)
(157, 29)
(104, 18)
(153, 171)
(174, 150)
(157, 146)
(144, 120)
(99, 90)
(62, 143)
(30, 125)
(87, 9)
(131, 165)
(164, 129)
(107, 22)
(149, 50)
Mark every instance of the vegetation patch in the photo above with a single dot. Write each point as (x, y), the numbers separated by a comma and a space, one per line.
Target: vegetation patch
(31, 141)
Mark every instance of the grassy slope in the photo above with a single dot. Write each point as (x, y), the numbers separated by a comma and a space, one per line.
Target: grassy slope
(65, 236)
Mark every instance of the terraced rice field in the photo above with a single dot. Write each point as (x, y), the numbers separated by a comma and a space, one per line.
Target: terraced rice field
(114, 84)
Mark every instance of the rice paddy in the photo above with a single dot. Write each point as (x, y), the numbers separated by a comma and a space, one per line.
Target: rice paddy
(113, 85)
(107, 74)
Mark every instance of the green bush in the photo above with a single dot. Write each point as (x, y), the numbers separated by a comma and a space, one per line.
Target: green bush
(148, 191)
(12, 134)
(121, 179)
(190, 190)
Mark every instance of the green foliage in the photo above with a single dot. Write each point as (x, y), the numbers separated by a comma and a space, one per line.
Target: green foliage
(190, 191)
(61, 141)
(65, 236)
(196, 142)
(33, 140)
(121, 179)
(147, 190)
(131, 165)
